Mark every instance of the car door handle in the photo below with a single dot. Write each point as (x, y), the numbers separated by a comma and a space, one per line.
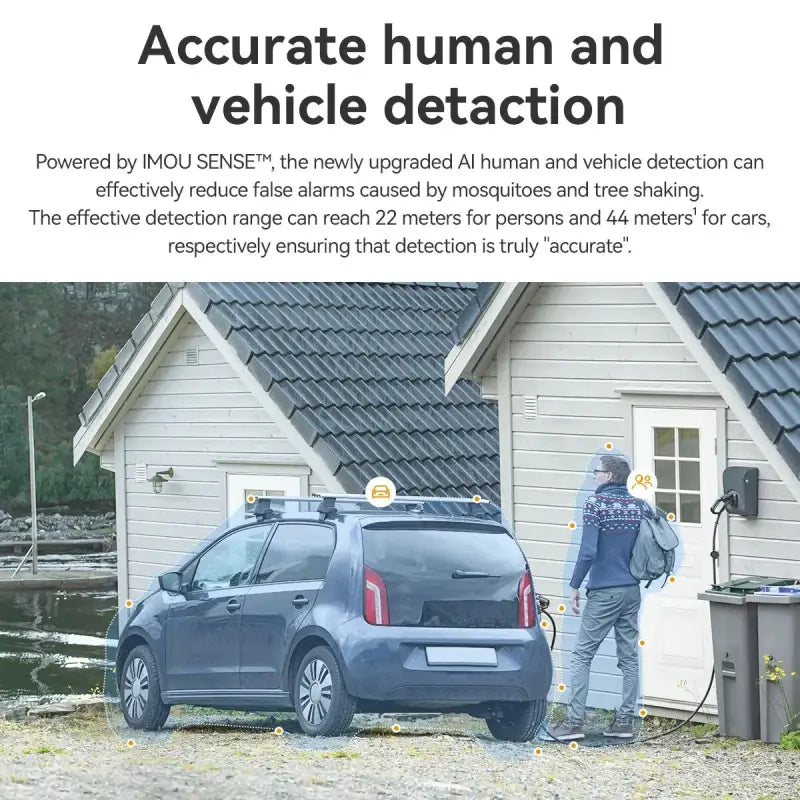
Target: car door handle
(232, 605)
(300, 601)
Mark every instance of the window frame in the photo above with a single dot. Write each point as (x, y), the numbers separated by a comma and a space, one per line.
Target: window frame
(273, 532)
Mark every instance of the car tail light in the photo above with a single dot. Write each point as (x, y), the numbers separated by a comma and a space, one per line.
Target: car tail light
(376, 604)
(527, 616)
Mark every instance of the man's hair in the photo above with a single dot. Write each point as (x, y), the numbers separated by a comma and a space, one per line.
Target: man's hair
(617, 466)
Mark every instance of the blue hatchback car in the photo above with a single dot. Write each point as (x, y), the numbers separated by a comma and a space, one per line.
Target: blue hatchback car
(329, 606)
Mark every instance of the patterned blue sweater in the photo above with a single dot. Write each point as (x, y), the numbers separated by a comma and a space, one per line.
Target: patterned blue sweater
(611, 520)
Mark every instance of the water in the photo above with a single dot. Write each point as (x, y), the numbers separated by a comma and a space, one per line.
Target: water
(54, 642)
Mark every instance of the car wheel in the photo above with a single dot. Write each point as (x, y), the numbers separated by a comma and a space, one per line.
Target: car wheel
(323, 706)
(520, 721)
(140, 691)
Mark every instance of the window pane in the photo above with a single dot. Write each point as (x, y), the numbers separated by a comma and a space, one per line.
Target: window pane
(690, 508)
(666, 502)
(689, 472)
(664, 441)
(297, 553)
(665, 474)
(228, 563)
(688, 443)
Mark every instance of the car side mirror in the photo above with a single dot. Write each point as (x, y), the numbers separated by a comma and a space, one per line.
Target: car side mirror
(170, 582)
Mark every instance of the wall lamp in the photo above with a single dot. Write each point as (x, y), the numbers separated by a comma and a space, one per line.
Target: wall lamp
(160, 478)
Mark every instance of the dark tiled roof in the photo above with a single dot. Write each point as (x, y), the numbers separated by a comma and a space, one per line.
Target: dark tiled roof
(359, 371)
(474, 308)
(139, 334)
(752, 331)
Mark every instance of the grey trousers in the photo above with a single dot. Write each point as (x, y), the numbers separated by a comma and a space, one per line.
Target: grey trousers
(616, 607)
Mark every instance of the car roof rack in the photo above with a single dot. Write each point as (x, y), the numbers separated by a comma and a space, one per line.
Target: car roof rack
(328, 505)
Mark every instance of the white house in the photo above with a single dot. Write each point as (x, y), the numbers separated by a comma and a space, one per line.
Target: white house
(280, 388)
(686, 379)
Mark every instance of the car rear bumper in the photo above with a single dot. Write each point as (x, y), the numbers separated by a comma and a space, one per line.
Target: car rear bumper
(385, 663)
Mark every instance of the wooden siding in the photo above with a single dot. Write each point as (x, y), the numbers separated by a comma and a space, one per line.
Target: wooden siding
(188, 417)
(770, 543)
(571, 348)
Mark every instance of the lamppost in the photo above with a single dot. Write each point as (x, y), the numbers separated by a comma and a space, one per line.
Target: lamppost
(34, 526)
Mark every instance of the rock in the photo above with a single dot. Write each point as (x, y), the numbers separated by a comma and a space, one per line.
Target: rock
(57, 516)
(53, 709)
(110, 515)
(6, 525)
(16, 713)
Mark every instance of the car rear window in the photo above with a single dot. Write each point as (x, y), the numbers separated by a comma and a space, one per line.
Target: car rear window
(447, 576)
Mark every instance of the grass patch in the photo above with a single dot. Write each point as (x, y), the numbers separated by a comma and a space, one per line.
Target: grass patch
(341, 754)
(791, 740)
(44, 750)
(19, 779)
(704, 729)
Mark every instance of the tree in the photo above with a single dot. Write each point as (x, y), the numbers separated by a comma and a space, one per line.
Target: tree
(53, 338)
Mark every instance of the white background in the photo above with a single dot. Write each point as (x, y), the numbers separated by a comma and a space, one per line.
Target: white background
(72, 86)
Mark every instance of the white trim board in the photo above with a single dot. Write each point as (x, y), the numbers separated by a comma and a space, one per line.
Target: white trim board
(726, 390)
(101, 423)
(465, 355)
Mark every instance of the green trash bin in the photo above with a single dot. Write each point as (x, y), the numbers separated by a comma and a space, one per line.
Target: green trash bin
(734, 635)
(779, 641)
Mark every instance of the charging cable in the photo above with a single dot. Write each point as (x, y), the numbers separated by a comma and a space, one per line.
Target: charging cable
(543, 603)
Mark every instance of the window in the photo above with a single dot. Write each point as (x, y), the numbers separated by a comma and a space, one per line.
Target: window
(230, 561)
(297, 553)
(456, 576)
(676, 453)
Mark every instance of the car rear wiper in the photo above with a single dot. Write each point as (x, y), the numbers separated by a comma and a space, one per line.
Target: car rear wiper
(462, 573)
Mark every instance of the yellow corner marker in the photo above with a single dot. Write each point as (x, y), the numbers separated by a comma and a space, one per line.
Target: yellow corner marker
(543, 623)
(561, 687)
(573, 745)
(641, 642)
(537, 751)
(279, 731)
(672, 579)
(562, 608)
(128, 603)
(572, 526)
(130, 743)
(609, 446)
(476, 498)
(671, 517)
(643, 713)
(395, 728)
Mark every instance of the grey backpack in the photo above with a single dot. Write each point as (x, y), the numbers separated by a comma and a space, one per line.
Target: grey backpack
(654, 550)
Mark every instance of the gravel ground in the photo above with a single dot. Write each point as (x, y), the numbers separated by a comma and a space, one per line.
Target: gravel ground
(87, 755)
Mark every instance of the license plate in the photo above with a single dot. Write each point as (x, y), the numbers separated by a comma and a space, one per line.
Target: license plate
(461, 656)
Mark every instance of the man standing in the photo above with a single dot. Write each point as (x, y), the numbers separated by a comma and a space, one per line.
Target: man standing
(611, 520)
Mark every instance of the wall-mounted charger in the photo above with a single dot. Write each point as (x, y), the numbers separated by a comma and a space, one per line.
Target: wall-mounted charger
(743, 483)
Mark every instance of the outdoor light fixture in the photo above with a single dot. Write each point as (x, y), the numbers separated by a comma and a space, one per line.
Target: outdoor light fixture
(160, 478)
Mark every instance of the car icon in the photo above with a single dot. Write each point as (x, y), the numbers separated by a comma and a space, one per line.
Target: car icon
(330, 606)
(380, 491)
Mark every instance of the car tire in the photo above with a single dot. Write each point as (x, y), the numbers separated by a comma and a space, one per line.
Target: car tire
(140, 691)
(520, 722)
(321, 700)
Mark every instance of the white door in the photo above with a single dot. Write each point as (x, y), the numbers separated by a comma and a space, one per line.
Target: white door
(678, 447)
(243, 490)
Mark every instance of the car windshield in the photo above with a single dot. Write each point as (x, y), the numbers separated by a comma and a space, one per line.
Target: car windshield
(461, 576)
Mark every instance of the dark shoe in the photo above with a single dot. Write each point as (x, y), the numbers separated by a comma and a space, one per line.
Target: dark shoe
(620, 728)
(566, 731)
